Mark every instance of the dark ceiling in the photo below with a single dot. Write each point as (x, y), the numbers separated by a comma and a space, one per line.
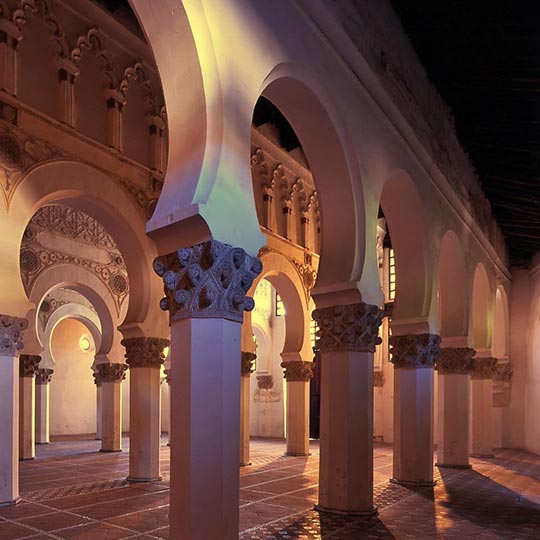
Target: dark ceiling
(483, 56)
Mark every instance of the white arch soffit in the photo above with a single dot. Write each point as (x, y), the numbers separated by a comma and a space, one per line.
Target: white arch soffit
(83, 187)
(92, 289)
(481, 307)
(501, 334)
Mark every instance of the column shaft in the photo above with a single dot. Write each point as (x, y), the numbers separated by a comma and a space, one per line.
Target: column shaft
(99, 411)
(27, 422)
(244, 420)
(42, 413)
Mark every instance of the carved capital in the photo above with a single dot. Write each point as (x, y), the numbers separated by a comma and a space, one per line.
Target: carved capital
(378, 378)
(456, 360)
(11, 329)
(208, 280)
(28, 365)
(502, 384)
(44, 375)
(484, 368)
(265, 382)
(247, 365)
(503, 372)
(145, 351)
(110, 373)
(353, 327)
(414, 350)
(297, 371)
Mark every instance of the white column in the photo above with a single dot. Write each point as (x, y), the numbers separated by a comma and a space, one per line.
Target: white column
(413, 356)
(43, 378)
(145, 357)
(246, 369)
(454, 367)
(167, 403)
(10, 344)
(205, 289)
(346, 340)
(482, 406)
(297, 373)
(27, 405)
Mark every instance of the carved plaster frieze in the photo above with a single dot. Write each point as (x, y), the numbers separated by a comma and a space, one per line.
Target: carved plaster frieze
(352, 327)
(209, 280)
(456, 360)
(247, 365)
(107, 373)
(484, 368)
(265, 382)
(29, 365)
(145, 351)
(414, 350)
(378, 379)
(44, 375)
(297, 370)
(11, 329)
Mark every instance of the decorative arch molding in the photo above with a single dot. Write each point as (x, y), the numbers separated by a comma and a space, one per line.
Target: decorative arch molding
(137, 74)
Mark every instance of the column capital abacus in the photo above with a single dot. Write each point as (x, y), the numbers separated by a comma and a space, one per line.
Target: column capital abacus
(456, 360)
(247, 363)
(110, 373)
(297, 370)
(208, 280)
(145, 351)
(11, 329)
(44, 375)
(352, 327)
(28, 365)
(484, 368)
(414, 350)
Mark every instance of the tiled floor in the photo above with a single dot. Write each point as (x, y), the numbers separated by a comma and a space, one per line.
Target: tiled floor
(73, 492)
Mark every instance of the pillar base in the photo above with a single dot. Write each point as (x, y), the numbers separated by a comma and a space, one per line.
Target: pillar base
(297, 454)
(142, 480)
(406, 483)
(110, 451)
(483, 455)
(10, 503)
(450, 466)
(246, 464)
(351, 513)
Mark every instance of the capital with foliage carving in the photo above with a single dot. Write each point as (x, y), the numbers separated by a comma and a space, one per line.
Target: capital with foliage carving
(145, 351)
(110, 373)
(353, 327)
(503, 372)
(28, 365)
(484, 368)
(415, 350)
(265, 382)
(297, 370)
(378, 378)
(44, 375)
(208, 280)
(247, 363)
(11, 329)
(456, 360)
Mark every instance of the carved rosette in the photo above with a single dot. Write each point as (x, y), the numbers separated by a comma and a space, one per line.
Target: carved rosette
(297, 370)
(484, 368)
(414, 350)
(353, 327)
(145, 351)
(456, 360)
(209, 280)
(28, 365)
(378, 379)
(110, 373)
(265, 382)
(44, 375)
(11, 329)
(247, 363)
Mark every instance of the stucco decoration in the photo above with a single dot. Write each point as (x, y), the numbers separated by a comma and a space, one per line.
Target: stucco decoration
(11, 332)
(415, 350)
(145, 351)
(265, 382)
(109, 373)
(457, 360)
(29, 365)
(209, 280)
(247, 363)
(484, 368)
(502, 384)
(378, 379)
(44, 375)
(297, 371)
(352, 327)
(308, 275)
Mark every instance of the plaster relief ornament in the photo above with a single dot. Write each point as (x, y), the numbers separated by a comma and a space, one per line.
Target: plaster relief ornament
(110, 373)
(415, 350)
(484, 368)
(208, 280)
(11, 329)
(378, 378)
(457, 360)
(297, 370)
(354, 327)
(145, 351)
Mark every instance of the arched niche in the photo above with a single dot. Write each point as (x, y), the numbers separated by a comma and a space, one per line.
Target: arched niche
(92, 191)
(453, 297)
(404, 213)
(500, 324)
(481, 309)
(300, 97)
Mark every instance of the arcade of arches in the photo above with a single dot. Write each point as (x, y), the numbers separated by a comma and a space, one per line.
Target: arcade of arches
(223, 224)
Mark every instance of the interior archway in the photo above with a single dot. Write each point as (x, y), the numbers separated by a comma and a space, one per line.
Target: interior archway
(481, 309)
(500, 324)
